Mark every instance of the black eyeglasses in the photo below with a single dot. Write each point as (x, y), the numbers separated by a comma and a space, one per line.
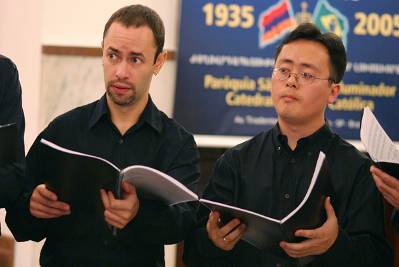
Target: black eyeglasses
(303, 78)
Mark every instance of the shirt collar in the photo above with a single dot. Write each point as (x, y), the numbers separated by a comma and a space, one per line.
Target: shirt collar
(151, 115)
(100, 110)
(315, 141)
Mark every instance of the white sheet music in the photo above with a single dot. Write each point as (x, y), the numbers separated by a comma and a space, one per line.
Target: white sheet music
(375, 139)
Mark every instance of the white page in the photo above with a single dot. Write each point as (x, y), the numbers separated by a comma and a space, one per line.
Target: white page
(375, 139)
(316, 172)
(158, 183)
(317, 169)
(7, 125)
(239, 210)
(66, 150)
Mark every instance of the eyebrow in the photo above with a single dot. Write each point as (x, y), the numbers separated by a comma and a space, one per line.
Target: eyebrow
(306, 65)
(137, 54)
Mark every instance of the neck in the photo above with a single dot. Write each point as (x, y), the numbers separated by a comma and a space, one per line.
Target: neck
(296, 131)
(124, 117)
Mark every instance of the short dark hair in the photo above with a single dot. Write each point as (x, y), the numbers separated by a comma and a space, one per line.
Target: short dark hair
(136, 16)
(334, 45)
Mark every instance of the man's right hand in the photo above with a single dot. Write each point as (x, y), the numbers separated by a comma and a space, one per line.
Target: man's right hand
(224, 237)
(44, 204)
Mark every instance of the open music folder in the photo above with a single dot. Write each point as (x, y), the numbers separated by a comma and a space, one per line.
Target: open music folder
(377, 143)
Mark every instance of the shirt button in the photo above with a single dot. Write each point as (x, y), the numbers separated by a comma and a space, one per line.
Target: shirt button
(286, 196)
(278, 148)
(293, 160)
(121, 141)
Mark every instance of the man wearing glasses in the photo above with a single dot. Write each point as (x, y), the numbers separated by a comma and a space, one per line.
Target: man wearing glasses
(270, 173)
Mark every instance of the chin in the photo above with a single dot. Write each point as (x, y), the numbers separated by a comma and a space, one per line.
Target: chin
(121, 100)
(290, 117)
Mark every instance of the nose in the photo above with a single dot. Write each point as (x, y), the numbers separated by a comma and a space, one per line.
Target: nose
(121, 70)
(292, 80)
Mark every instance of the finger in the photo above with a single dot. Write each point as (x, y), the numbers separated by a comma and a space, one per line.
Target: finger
(123, 214)
(294, 250)
(128, 188)
(105, 199)
(114, 219)
(111, 196)
(291, 246)
(41, 211)
(123, 204)
(386, 190)
(307, 233)
(378, 183)
(227, 228)
(114, 223)
(315, 233)
(37, 198)
(301, 249)
(393, 200)
(384, 177)
(113, 202)
(129, 193)
(390, 181)
(212, 224)
(295, 254)
(43, 215)
(235, 235)
(42, 190)
(45, 208)
(375, 170)
(329, 208)
(288, 249)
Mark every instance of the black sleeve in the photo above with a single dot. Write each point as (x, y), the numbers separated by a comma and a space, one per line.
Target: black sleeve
(19, 219)
(199, 250)
(361, 238)
(158, 223)
(11, 112)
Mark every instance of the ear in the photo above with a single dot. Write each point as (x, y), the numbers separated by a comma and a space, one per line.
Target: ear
(335, 89)
(160, 61)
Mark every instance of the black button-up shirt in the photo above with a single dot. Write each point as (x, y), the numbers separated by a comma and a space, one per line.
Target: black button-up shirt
(155, 141)
(11, 112)
(264, 175)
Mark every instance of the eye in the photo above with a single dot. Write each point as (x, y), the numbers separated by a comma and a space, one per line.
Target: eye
(112, 56)
(307, 76)
(283, 71)
(136, 60)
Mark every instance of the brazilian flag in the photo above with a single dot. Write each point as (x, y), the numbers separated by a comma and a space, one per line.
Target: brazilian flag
(330, 19)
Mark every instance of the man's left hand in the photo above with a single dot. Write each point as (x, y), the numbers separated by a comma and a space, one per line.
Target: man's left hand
(119, 212)
(387, 185)
(319, 239)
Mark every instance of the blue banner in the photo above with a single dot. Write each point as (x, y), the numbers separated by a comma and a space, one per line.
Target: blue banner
(226, 55)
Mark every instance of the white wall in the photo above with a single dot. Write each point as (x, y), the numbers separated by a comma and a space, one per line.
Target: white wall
(25, 25)
(81, 23)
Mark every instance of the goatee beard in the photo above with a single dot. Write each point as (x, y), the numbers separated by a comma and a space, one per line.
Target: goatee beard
(121, 101)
